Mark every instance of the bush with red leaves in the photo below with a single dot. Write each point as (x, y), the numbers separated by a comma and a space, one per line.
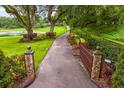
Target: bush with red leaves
(50, 34)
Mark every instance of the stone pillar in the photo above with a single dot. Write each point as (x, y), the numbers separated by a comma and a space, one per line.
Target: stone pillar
(97, 62)
(29, 63)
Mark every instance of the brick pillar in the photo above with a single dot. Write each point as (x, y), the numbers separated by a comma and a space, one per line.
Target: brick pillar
(29, 63)
(97, 62)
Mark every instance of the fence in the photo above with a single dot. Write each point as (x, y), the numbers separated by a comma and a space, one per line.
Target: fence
(86, 57)
(95, 64)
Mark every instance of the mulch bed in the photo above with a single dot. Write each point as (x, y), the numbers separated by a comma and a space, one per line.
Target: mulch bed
(23, 82)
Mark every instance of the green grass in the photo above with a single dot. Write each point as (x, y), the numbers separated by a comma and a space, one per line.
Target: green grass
(9, 30)
(111, 33)
(44, 29)
(10, 45)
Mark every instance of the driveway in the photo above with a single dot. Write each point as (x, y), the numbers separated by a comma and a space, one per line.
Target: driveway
(60, 69)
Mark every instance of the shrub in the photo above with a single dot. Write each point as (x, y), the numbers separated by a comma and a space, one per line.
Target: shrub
(92, 42)
(118, 76)
(33, 35)
(50, 34)
(109, 49)
(72, 38)
(24, 40)
(82, 40)
(40, 37)
(5, 75)
(18, 66)
(37, 38)
(10, 69)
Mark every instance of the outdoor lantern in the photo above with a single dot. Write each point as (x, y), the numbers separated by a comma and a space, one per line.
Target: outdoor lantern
(29, 63)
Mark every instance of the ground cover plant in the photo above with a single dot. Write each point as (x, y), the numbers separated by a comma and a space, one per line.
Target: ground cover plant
(11, 69)
(118, 75)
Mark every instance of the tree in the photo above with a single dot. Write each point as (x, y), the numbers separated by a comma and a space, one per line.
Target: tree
(82, 16)
(8, 22)
(53, 14)
(25, 14)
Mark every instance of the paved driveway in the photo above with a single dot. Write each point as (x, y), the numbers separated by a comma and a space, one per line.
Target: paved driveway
(60, 69)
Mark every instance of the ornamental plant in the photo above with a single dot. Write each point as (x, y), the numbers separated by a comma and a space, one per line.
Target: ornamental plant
(11, 70)
(118, 76)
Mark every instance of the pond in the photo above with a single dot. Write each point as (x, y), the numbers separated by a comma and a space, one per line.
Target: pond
(4, 34)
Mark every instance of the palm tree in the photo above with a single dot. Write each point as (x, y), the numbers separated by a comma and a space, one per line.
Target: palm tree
(26, 15)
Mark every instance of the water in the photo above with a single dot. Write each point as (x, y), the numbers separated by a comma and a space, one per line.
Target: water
(10, 34)
(6, 34)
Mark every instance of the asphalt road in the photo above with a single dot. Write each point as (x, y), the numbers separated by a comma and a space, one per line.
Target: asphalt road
(60, 69)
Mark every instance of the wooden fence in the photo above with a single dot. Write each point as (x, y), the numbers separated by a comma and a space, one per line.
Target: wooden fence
(86, 57)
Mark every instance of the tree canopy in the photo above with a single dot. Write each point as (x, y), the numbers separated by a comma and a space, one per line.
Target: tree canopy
(52, 12)
(25, 14)
(93, 15)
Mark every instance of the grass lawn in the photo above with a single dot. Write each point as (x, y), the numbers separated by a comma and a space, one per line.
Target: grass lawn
(113, 33)
(44, 29)
(10, 45)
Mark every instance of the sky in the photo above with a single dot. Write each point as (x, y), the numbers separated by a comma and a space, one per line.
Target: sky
(3, 13)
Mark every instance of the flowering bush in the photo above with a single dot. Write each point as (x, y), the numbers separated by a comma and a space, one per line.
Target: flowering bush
(72, 38)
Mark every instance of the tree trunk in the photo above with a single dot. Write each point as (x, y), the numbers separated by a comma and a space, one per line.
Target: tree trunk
(30, 34)
(52, 28)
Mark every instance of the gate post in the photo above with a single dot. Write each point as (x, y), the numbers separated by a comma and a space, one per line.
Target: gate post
(97, 62)
(29, 63)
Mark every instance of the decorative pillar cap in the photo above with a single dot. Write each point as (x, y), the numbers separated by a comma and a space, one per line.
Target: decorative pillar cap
(29, 50)
(98, 51)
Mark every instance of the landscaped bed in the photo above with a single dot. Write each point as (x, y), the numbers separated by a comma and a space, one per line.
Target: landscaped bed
(86, 54)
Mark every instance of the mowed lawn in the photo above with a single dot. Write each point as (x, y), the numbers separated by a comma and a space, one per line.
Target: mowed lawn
(10, 45)
(113, 33)
(44, 29)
